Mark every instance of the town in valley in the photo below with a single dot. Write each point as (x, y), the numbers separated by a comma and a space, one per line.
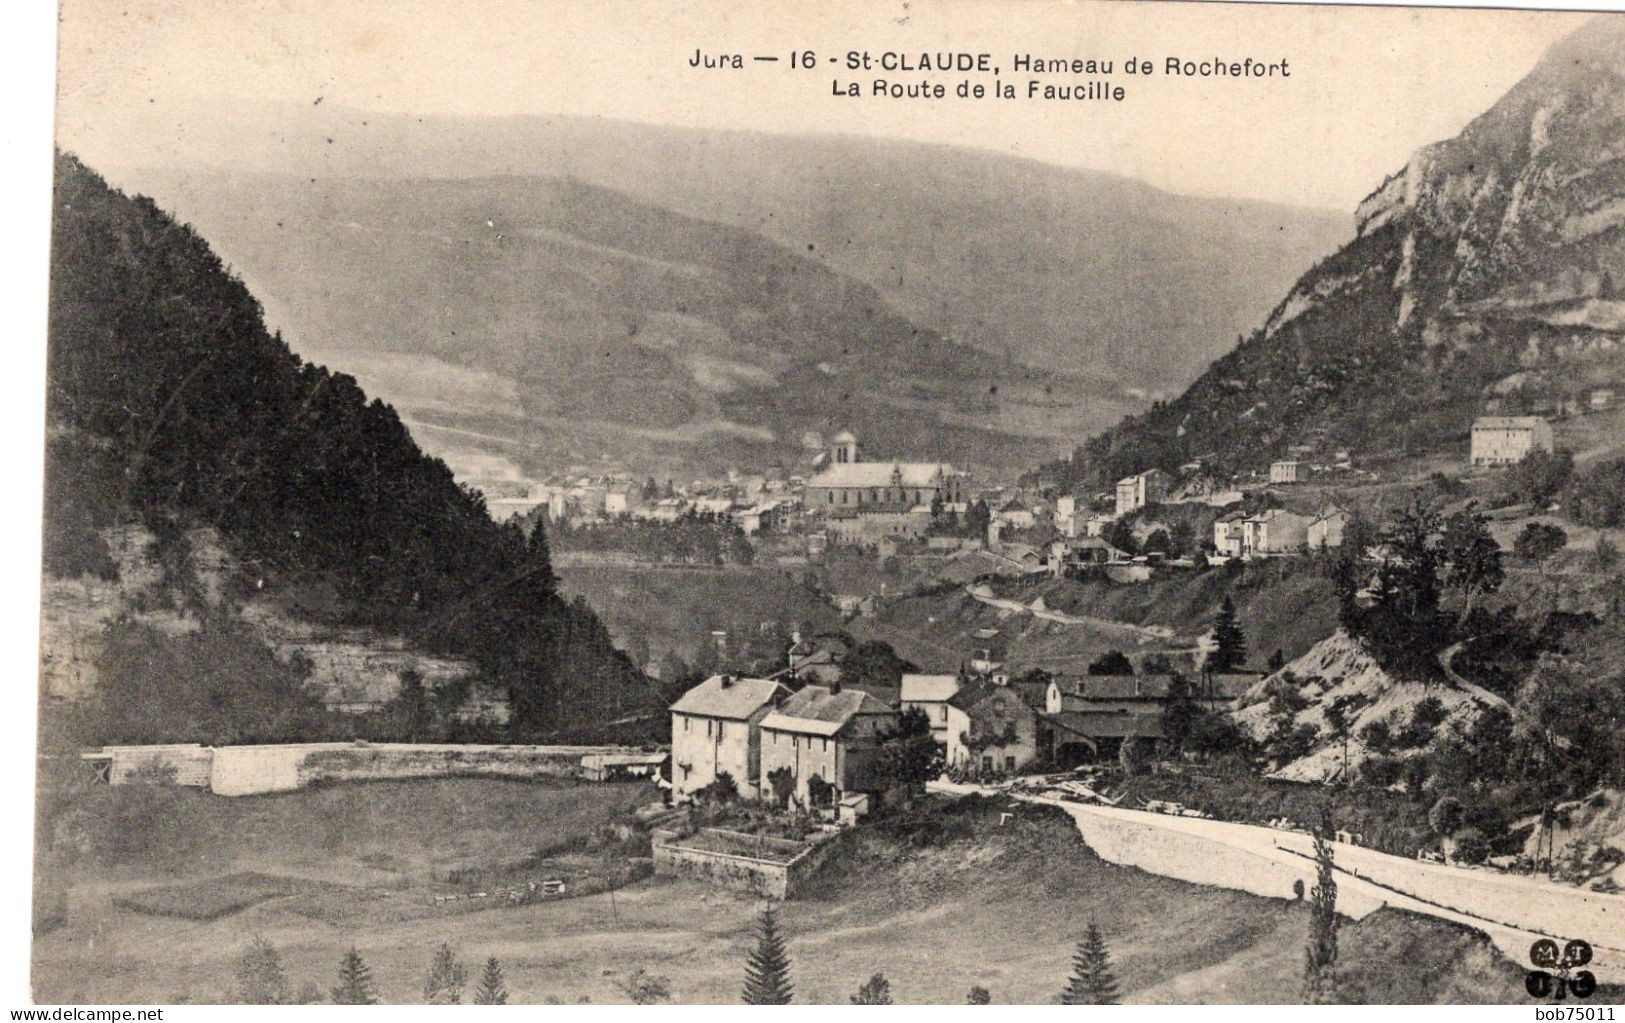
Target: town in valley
(564, 559)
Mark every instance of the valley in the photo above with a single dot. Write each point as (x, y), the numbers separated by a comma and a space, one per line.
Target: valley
(566, 549)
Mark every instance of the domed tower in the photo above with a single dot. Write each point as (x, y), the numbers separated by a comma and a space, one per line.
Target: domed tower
(844, 450)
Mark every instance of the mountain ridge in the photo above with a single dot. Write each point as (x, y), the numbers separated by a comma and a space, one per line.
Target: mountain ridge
(587, 326)
(1483, 273)
(1098, 274)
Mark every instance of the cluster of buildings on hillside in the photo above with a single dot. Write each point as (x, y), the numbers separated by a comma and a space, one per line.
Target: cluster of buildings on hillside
(839, 497)
(822, 742)
(754, 502)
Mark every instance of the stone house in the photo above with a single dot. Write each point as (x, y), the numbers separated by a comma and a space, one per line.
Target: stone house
(1227, 533)
(1149, 487)
(829, 733)
(1503, 440)
(930, 694)
(716, 728)
(1287, 471)
(990, 729)
(1326, 530)
(1276, 531)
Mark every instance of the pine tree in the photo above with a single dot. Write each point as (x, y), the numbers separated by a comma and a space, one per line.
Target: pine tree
(492, 989)
(1319, 978)
(877, 991)
(978, 995)
(1092, 982)
(355, 981)
(767, 972)
(260, 980)
(447, 978)
(1229, 643)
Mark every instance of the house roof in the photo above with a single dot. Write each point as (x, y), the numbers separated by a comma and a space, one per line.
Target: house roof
(737, 699)
(816, 710)
(1031, 693)
(881, 474)
(1229, 684)
(1095, 543)
(1507, 422)
(929, 688)
(1277, 513)
(976, 695)
(1147, 474)
(891, 696)
(1107, 725)
(971, 694)
(1116, 687)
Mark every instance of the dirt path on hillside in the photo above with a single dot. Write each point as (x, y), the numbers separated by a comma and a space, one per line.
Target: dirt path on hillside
(1142, 633)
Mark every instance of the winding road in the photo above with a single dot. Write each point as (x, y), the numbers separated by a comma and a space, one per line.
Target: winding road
(1514, 911)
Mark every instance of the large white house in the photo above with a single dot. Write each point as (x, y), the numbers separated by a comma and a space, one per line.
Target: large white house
(930, 693)
(1149, 487)
(1276, 531)
(716, 728)
(828, 733)
(1502, 440)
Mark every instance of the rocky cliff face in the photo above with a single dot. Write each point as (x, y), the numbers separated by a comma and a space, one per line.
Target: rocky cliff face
(1532, 194)
(1492, 263)
(351, 669)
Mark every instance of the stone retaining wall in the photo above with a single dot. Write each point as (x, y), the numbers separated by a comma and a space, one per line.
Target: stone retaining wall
(251, 770)
(769, 878)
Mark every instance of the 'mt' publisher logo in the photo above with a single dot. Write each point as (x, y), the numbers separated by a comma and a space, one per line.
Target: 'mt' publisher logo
(1558, 974)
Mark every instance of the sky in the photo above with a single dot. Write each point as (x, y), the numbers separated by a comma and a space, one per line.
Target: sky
(1368, 85)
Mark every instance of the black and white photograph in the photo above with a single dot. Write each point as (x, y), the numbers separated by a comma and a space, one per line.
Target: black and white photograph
(907, 502)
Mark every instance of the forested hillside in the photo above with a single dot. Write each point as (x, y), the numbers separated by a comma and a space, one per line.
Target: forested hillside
(171, 405)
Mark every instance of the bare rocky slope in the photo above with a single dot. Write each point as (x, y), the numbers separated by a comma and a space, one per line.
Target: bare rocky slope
(1490, 265)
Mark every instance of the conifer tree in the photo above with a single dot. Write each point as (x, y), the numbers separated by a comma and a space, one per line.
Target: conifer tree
(260, 980)
(978, 995)
(1229, 643)
(1092, 982)
(877, 991)
(447, 978)
(355, 981)
(1320, 957)
(492, 990)
(767, 972)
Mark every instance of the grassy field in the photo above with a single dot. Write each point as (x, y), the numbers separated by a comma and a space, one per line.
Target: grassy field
(951, 901)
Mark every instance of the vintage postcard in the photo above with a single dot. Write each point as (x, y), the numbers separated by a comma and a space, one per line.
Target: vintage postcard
(934, 501)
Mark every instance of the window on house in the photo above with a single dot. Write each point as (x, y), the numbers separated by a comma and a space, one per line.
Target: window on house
(708, 729)
(685, 724)
(987, 763)
(826, 744)
(1009, 763)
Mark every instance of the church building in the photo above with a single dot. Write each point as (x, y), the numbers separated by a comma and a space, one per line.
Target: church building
(849, 483)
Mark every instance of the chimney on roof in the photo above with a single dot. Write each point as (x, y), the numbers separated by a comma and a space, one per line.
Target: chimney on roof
(727, 680)
(835, 687)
